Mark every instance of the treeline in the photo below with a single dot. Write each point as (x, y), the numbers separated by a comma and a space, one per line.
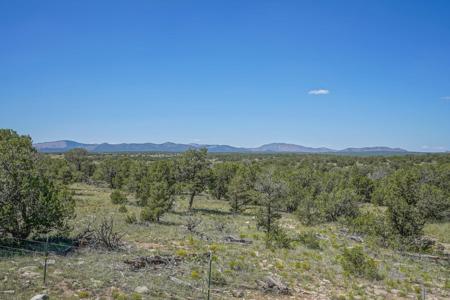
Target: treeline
(389, 199)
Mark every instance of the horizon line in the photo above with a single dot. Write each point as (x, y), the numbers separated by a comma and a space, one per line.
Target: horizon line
(250, 147)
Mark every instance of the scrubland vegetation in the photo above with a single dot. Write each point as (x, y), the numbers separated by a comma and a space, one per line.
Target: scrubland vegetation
(142, 226)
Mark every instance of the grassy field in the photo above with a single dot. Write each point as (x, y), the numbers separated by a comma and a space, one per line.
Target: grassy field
(311, 271)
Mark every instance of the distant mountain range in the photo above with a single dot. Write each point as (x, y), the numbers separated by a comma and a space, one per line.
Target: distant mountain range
(63, 146)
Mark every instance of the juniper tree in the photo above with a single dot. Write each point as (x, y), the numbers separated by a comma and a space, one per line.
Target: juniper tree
(240, 190)
(159, 202)
(82, 167)
(362, 184)
(221, 176)
(193, 172)
(30, 203)
(117, 197)
(76, 157)
(114, 171)
(402, 195)
(157, 190)
(271, 191)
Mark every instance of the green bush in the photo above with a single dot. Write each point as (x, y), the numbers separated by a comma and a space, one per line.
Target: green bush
(309, 239)
(148, 215)
(118, 198)
(30, 202)
(83, 294)
(131, 219)
(118, 295)
(158, 200)
(308, 211)
(282, 240)
(434, 203)
(136, 296)
(123, 209)
(328, 207)
(374, 224)
(341, 204)
(195, 275)
(403, 194)
(217, 278)
(355, 262)
(278, 238)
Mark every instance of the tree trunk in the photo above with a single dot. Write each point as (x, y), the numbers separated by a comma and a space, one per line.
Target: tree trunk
(191, 200)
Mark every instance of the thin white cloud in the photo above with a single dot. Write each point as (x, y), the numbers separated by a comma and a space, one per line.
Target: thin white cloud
(319, 92)
(445, 98)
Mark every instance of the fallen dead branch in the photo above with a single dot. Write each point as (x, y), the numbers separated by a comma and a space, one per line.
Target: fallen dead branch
(356, 238)
(231, 239)
(155, 261)
(426, 256)
(161, 261)
(273, 284)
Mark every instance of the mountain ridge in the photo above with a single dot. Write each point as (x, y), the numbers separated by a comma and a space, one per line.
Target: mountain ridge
(66, 145)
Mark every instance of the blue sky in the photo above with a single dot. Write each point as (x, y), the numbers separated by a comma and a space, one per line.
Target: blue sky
(245, 73)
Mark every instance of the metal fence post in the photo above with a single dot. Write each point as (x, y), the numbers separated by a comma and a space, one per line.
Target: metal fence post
(209, 276)
(45, 260)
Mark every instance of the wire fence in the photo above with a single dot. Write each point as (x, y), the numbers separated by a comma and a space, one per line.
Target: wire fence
(38, 245)
(40, 253)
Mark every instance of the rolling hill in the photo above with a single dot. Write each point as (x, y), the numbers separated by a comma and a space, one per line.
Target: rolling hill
(66, 145)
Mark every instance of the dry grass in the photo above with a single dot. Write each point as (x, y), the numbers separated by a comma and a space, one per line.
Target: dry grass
(310, 273)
